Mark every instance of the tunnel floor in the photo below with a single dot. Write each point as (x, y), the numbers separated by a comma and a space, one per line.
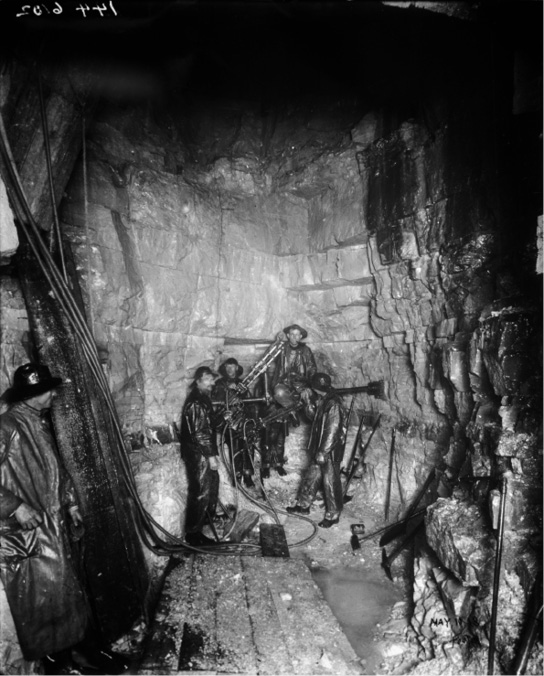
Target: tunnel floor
(254, 615)
(320, 611)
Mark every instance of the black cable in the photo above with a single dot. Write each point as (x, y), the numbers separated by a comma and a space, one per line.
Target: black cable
(50, 175)
(67, 303)
(147, 525)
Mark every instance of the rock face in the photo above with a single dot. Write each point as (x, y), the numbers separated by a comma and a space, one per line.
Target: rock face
(458, 534)
(198, 233)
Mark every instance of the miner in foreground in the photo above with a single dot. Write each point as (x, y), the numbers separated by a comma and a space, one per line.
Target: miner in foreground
(199, 424)
(38, 503)
(325, 450)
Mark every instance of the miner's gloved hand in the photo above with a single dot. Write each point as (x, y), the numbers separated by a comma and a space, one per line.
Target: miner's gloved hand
(27, 517)
(213, 462)
(321, 458)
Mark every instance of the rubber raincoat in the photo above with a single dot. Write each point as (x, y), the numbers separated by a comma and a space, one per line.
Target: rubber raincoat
(47, 602)
(295, 366)
(198, 443)
(239, 451)
(325, 448)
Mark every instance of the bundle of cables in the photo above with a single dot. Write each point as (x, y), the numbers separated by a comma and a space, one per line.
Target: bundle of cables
(153, 534)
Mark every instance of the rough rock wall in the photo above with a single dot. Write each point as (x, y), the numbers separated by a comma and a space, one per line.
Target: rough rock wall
(204, 233)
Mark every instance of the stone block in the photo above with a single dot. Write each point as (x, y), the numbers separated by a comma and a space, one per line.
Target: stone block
(323, 266)
(457, 533)
(347, 324)
(155, 196)
(366, 131)
(457, 599)
(446, 328)
(408, 249)
(296, 272)
(352, 294)
(352, 263)
(321, 305)
(336, 214)
(455, 367)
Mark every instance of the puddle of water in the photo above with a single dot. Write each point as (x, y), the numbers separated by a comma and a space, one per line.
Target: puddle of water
(358, 602)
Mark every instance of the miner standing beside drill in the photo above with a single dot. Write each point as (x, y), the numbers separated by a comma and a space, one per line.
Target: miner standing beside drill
(199, 425)
(230, 391)
(325, 449)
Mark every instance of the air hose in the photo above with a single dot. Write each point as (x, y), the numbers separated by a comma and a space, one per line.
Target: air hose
(148, 527)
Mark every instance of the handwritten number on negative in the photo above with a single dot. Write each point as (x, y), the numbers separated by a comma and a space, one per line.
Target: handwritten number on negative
(38, 10)
(83, 9)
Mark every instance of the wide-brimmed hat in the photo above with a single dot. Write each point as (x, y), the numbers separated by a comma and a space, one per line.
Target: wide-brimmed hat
(231, 360)
(203, 371)
(31, 380)
(295, 326)
(321, 381)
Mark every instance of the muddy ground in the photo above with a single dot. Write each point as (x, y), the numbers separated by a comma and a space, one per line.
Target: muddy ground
(370, 608)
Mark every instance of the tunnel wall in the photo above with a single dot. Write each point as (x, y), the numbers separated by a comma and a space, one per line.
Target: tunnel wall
(207, 229)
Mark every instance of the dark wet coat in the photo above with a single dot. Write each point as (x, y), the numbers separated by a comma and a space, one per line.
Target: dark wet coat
(199, 424)
(295, 366)
(198, 442)
(327, 437)
(329, 428)
(46, 600)
(224, 385)
(238, 450)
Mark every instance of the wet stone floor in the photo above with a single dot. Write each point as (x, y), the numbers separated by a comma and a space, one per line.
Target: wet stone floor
(320, 611)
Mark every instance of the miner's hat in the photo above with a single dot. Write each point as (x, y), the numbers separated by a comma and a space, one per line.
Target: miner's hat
(321, 381)
(295, 326)
(203, 371)
(231, 360)
(31, 380)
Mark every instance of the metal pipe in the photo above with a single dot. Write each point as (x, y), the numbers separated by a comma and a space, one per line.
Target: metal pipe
(530, 630)
(496, 581)
(389, 475)
(360, 460)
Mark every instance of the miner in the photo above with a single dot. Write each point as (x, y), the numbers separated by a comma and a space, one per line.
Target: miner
(37, 502)
(199, 425)
(273, 443)
(325, 449)
(230, 392)
(295, 367)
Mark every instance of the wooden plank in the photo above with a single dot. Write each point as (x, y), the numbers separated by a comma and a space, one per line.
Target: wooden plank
(258, 615)
(273, 540)
(161, 650)
(233, 626)
(217, 635)
(268, 633)
(313, 637)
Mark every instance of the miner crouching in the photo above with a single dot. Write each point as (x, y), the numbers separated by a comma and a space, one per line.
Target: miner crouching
(325, 449)
(37, 502)
(199, 425)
